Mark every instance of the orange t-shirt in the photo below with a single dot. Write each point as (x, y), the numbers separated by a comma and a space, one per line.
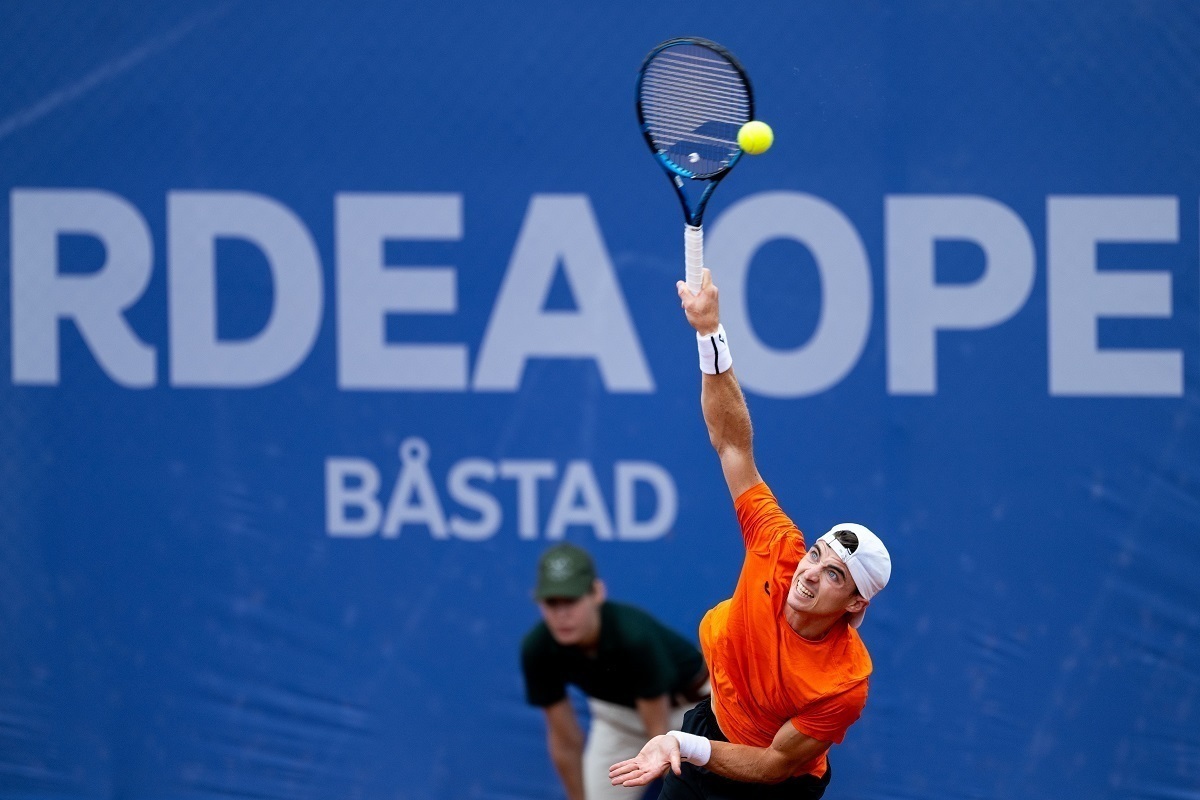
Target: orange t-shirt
(763, 673)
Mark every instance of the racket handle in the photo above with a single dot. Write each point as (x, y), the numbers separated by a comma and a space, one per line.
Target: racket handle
(693, 256)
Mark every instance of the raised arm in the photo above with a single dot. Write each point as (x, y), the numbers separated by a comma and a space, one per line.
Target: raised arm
(721, 399)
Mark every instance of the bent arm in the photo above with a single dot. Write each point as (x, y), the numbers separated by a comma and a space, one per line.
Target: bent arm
(725, 412)
(564, 739)
(788, 751)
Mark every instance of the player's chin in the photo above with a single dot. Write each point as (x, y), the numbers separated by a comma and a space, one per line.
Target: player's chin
(799, 602)
(566, 637)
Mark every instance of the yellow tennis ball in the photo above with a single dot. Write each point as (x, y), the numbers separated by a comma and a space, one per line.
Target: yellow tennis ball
(755, 137)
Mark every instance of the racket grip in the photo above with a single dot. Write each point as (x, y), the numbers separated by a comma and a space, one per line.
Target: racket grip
(693, 256)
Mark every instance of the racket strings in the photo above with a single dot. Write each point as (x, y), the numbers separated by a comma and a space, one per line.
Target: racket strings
(702, 104)
(718, 72)
(680, 106)
(693, 104)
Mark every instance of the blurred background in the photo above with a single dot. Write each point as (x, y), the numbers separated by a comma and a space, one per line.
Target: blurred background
(324, 320)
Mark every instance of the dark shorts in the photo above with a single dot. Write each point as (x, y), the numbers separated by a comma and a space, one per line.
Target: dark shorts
(697, 783)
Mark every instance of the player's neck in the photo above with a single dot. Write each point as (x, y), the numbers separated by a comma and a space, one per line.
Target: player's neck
(590, 644)
(810, 627)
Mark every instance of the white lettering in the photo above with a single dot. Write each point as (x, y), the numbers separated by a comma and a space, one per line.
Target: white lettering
(95, 302)
(560, 236)
(918, 307)
(351, 484)
(195, 220)
(579, 502)
(845, 271)
(561, 229)
(1079, 295)
(477, 500)
(369, 289)
(628, 475)
(414, 498)
(353, 507)
(527, 474)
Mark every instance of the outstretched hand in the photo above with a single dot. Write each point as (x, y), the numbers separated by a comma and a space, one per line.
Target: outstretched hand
(658, 754)
(701, 309)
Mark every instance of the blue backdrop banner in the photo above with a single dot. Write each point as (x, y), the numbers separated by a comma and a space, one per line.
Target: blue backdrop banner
(324, 320)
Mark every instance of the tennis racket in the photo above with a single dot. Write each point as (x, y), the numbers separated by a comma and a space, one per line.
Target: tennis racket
(692, 98)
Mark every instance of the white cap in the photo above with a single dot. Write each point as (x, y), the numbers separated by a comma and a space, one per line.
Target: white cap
(870, 564)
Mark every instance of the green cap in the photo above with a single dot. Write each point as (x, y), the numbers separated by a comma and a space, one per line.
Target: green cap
(564, 571)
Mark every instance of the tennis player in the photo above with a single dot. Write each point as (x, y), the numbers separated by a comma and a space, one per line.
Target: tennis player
(639, 675)
(789, 671)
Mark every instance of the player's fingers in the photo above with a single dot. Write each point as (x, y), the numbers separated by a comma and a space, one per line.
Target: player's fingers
(620, 768)
(675, 765)
(682, 290)
(639, 779)
(621, 777)
(705, 279)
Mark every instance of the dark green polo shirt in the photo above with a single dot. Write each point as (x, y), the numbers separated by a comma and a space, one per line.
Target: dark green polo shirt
(637, 657)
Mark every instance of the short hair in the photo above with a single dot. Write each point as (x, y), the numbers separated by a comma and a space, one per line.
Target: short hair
(848, 540)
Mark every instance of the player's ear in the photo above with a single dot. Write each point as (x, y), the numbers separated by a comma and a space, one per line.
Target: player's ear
(857, 604)
(599, 590)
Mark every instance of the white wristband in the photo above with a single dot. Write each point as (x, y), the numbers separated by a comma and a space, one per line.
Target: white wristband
(715, 357)
(696, 749)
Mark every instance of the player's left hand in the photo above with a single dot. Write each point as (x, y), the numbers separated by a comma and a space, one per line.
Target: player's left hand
(648, 765)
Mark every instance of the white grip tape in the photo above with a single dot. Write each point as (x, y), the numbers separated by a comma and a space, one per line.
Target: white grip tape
(696, 749)
(693, 256)
(715, 357)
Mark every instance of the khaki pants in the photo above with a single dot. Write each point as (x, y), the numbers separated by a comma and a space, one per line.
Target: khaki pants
(616, 733)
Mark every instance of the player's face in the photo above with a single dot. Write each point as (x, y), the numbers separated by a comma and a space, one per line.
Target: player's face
(573, 621)
(822, 586)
